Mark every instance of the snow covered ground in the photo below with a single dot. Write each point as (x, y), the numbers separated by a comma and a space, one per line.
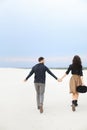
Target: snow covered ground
(18, 103)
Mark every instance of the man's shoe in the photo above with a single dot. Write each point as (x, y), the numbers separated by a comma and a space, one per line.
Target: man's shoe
(41, 109)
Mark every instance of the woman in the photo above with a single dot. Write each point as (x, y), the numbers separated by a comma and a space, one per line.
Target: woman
(76, 79)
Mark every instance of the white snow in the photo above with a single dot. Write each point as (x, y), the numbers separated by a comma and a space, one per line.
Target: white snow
(18, 109)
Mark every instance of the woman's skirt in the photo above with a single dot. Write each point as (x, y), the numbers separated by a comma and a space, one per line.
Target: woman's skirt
(75, 81)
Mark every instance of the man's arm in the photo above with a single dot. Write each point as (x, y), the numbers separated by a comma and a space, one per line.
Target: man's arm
(51, 73)
(30, 74)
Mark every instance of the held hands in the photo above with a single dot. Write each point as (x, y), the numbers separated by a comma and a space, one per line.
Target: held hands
(59, 80)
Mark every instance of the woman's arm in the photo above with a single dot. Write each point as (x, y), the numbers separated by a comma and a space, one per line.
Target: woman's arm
(63, 77)
(66, 73)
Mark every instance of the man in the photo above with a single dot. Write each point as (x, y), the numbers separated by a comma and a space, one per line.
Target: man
(39, 80)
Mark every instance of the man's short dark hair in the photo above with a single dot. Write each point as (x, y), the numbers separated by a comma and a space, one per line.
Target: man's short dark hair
(40, 59)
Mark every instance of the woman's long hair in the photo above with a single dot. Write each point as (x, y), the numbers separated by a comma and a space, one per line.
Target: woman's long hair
(76, 62)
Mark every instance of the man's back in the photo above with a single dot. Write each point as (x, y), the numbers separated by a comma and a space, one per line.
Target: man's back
(39, 71)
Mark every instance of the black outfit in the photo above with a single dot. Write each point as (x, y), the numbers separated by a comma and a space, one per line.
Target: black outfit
(40, 73)
(75, 71)
(75, 81)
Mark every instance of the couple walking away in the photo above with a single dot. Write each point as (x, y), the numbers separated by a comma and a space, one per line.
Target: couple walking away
(40, 76)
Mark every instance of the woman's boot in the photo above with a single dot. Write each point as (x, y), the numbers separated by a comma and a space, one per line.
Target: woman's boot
(76, 103)
(73, 106)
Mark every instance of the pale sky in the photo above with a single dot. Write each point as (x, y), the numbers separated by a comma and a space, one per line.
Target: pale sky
(54, 29)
